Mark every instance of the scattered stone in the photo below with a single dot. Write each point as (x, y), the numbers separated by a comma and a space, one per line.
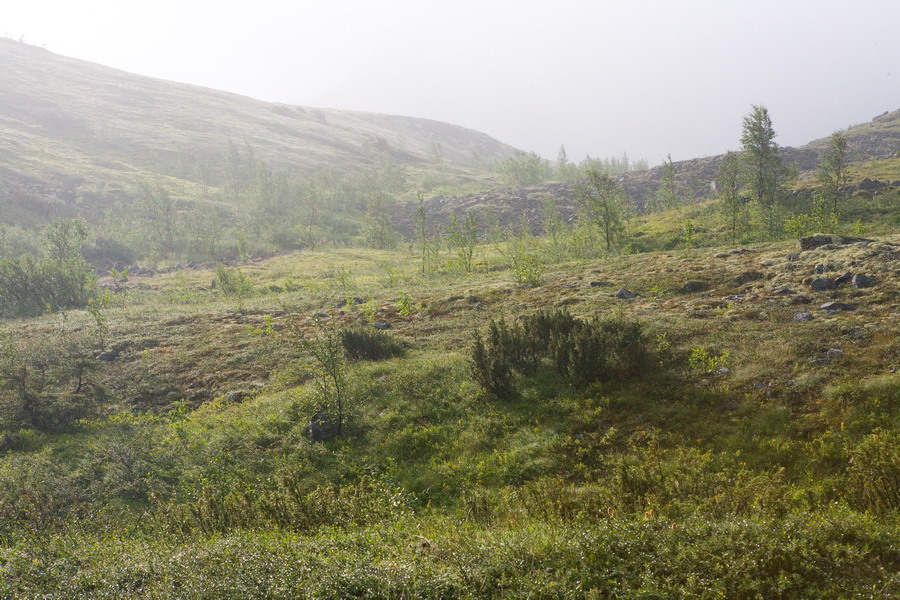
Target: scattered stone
(565, 286)
(803, 316)
(834, 353)
(723, 255)
(823, 239)
(321, 315)
(845, 278)
(108, 356)
(863, 281)
(625, 294)
(784, 291)
(382, 325)
(695, 286)
(801, 300)
(837, 306)
(748, 276)
(823, 268)
(792, 257)
(722, 371)
(823, 284)
(600, 283)
(734, 298)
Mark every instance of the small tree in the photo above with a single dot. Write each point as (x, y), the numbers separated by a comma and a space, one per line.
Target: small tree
(832, 170)
(731, 202)
(463, 236)
(669, 194)
(423, 239)
(553, 224)
(601, 201)
(764, 172)
(331, 381)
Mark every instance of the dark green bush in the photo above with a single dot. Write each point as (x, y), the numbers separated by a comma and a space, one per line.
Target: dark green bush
(587, 351)
(361, 343)
(492, 370)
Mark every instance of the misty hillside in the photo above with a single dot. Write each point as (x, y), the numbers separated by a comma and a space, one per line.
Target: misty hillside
(71, 130)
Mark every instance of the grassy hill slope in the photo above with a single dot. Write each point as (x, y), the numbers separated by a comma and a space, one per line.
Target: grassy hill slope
(74, 136)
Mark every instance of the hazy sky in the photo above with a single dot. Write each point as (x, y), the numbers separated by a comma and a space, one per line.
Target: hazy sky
(601, 77)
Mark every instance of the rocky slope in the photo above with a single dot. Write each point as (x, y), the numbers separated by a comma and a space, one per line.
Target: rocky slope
(879, 139)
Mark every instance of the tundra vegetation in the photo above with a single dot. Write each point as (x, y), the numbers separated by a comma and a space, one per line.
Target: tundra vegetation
(470, 411)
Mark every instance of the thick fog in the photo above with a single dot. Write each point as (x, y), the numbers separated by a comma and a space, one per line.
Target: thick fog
(644, 77)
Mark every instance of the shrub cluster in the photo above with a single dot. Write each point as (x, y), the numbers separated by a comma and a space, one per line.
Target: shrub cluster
(361, 343)
(585, 350)
(58, 279)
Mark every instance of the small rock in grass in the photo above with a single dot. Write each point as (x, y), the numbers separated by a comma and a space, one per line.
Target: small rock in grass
(823, 284)
(837, 306)
(834, 353)
(845, 278)
(382, 325)
(803, 316)
(863, 281)
(625, 294)
(695, 286)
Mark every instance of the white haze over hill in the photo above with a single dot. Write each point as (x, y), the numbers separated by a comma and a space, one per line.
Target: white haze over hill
(646, 77)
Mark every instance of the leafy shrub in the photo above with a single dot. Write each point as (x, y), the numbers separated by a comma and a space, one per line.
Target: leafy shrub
(231, 281)
(58, 279)
(49, 387)
(875, 472)
(705, 362)
(361, 343)
(587, 351)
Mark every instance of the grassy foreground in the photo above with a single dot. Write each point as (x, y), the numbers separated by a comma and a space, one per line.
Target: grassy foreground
(759, 458)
